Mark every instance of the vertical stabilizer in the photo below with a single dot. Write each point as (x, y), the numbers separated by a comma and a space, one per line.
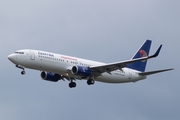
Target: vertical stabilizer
(142, 52)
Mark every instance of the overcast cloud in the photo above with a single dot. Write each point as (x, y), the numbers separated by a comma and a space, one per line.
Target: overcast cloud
(101, 30)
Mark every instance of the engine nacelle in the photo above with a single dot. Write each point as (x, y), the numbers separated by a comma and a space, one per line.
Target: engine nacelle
(53, 77)
(81, 70)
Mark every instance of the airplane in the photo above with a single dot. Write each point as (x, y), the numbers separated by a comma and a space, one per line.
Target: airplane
(55, 67)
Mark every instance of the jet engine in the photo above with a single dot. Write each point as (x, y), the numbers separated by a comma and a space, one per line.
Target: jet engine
(81, 71)
(49, 76)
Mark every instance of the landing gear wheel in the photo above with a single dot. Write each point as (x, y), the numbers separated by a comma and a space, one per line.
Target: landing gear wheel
(72, 84)
(90, 82)
(23, 72)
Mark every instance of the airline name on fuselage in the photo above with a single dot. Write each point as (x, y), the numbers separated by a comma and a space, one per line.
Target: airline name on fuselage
(51, 55)
(45, 54)
(68, 58)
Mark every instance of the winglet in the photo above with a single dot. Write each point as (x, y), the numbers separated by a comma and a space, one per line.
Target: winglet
(157, 52)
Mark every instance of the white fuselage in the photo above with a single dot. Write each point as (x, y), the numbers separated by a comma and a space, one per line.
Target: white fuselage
(62, 64)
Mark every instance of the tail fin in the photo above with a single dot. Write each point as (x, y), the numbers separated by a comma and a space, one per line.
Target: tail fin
(142, 52)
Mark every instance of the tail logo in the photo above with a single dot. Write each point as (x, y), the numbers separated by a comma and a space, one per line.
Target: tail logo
(143, 54)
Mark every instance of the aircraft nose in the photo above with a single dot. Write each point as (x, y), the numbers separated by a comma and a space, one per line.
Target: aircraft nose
(11, 57)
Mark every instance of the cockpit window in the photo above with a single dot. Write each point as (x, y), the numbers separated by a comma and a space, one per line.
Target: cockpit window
(19, 52)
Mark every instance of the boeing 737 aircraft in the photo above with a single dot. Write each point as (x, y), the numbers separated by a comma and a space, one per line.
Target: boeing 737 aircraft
(55, 67)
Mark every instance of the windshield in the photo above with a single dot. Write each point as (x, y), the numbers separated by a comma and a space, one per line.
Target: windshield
(19, 52)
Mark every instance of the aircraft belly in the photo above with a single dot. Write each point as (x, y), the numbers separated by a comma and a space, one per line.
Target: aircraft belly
(110, 78)
(117, 78)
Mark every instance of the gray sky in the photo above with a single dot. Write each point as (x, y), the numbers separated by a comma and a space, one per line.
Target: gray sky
(101, 30)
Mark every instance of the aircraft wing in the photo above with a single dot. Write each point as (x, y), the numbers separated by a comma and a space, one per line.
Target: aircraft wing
(119, 65)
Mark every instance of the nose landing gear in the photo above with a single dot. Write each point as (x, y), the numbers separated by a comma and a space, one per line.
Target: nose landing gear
(21, 67)
(23, 72)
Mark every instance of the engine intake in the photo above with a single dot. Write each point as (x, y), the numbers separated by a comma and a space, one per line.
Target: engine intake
(53, 77)
(81, 70)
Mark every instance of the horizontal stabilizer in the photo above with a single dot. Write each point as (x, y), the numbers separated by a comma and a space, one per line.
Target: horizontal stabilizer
(154, 72)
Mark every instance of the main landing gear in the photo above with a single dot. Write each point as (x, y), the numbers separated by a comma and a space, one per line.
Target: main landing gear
(90, 81)
(72, 84)
(23, 72)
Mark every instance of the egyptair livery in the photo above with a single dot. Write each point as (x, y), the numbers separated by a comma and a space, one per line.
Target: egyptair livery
(55, 67)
